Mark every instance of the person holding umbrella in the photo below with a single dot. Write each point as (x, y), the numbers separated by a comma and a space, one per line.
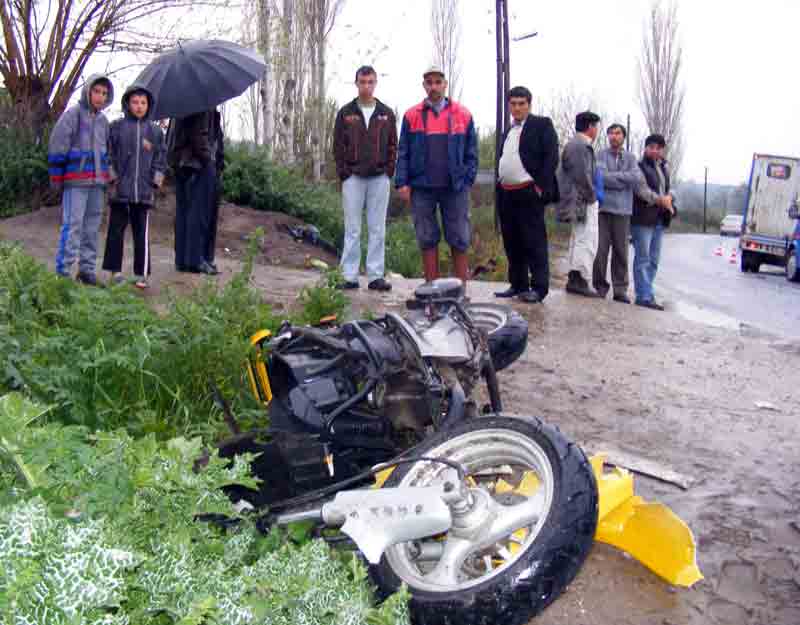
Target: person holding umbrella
(193, 144)
(187, 84)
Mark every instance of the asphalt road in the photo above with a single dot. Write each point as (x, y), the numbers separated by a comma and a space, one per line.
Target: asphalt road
(699, 285)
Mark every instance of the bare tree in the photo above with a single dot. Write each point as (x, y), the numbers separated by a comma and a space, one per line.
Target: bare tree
(251, 115)
(446, 31)
(265, 85)
(320, 18)
(48, 44)
(661, 91)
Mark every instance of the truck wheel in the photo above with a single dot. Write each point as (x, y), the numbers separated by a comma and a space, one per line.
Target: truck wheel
(750, 262)
(792, 271)
(466, 578)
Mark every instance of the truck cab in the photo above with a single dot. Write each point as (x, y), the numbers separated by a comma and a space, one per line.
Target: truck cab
(770, 229)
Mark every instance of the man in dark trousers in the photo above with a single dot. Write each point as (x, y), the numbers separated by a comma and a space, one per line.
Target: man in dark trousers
(437, 162)
(527, 180)
(192, 145)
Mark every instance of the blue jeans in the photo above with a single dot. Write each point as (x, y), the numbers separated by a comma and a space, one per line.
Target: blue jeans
(81, 215)
(647, 250)
(360, 194)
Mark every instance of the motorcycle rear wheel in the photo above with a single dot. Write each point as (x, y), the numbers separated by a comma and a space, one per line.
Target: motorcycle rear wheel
(507, 331)
(513, 460)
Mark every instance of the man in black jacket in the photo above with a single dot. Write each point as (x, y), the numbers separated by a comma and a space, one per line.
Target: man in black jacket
(527, 180)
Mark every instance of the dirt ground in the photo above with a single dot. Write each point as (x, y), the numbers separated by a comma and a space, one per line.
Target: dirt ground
(653, 385)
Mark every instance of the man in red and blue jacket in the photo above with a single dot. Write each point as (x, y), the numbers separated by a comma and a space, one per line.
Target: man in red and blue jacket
(436, 166)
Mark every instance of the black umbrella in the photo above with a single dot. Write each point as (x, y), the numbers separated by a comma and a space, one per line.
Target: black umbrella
(198, 75)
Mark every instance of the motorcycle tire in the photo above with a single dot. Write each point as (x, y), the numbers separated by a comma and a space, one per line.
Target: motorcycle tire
(548, 557)
(507, 331)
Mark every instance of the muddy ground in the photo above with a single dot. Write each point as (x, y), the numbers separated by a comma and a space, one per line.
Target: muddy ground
(653, 385)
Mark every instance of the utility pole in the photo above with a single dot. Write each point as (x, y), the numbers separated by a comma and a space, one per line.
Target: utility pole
(705, 200)
(628, 134)
(503, 79)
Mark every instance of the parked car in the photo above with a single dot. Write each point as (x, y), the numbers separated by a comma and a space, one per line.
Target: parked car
(731, 226)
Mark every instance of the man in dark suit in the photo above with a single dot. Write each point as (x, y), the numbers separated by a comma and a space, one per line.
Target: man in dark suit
(527, 180)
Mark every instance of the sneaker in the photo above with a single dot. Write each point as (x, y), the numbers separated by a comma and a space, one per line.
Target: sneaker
(622, 299)
(141, 282)
(88, 279)
(347, 285)
(117, 279)
(651, 304)
(379, 285)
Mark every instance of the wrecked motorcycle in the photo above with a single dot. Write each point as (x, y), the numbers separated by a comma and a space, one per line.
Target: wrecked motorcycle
(484, 517)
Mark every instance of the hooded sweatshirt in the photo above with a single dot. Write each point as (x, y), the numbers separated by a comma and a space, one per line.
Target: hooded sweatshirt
(78, 151)
(137, 153)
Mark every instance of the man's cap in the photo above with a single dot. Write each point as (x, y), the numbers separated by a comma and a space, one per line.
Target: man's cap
(433, 69)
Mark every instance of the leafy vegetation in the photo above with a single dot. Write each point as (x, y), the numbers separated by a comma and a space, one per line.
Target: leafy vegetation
(251, 179)
(23, 169)
(105, 359)
(106, 528)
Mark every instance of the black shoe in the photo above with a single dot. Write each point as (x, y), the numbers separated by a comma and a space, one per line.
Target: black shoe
(510, 292)
(347, 285)
(579, 286)
(207, 269)
(213, 265)
(379, 285)
(622, 299)
(88, 279)
(181, 268)
(651, 305)
(530, 297)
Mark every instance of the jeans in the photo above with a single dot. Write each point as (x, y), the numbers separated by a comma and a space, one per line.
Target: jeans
(647, 251)
(357, 193)
(82, 213)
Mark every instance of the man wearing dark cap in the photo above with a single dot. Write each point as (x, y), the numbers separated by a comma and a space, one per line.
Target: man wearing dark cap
(653, 211)
(436, 166)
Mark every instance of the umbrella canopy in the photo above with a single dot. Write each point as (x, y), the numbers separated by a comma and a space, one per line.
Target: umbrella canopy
(198, 75)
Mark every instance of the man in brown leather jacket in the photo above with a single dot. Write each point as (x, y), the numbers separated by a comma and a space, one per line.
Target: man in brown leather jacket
(365, 148)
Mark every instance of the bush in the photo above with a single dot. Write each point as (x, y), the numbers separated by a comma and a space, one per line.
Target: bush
(402, 252)
(104, 359)
(104, 528)
(251, 179)
(23, 169)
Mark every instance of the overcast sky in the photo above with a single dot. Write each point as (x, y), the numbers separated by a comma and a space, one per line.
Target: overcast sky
(739, 58)
(739, 61)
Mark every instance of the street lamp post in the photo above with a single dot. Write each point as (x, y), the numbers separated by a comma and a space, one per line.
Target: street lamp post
(705, 200)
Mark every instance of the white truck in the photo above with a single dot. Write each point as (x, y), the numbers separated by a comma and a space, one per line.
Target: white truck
(771, 228)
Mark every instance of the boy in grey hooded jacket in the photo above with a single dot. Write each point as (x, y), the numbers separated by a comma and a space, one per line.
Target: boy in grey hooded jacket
(78, 162)
(138, 159)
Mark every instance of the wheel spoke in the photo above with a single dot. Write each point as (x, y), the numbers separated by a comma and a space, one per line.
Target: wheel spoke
(447, 568)
(517, 516)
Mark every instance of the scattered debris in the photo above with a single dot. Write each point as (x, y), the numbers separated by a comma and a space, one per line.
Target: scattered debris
(487, 267)
(310, 234)
(765, 405)
(316, 263)
(646, 468)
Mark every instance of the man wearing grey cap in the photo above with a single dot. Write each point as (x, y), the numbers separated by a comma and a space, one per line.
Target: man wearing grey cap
(436, 166)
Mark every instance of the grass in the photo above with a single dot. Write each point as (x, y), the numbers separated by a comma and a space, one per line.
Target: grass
(104, 359)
